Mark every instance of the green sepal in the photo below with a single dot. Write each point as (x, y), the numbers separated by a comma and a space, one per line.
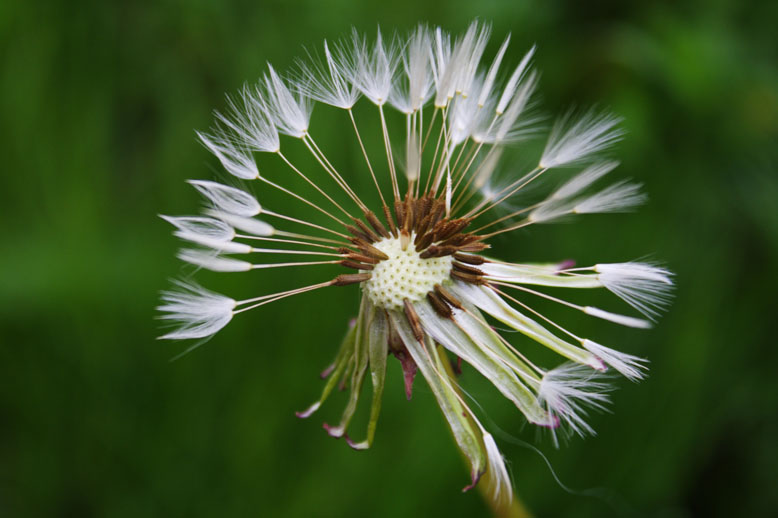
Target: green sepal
(377, 347)
(359, 366)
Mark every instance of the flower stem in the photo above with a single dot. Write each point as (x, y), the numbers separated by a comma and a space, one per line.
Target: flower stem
(513, 508)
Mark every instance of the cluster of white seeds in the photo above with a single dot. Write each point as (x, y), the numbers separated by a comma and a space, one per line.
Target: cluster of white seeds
(405, 275)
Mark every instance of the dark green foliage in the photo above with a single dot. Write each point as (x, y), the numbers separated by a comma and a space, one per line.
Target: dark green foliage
(98, 107)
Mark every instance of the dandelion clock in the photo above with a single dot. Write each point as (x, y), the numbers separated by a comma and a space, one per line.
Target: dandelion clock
(431, 288)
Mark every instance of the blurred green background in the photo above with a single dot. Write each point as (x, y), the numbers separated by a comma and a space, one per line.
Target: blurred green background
(98, 106)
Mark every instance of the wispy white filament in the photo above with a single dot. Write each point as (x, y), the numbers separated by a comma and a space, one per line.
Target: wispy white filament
(501, 482)
(631, 367)
(201, 226)
(413, 159)
(486, 169)
(372, 71)
(491, 75)
(643, 286)
(619, 197)
(455, 68)
(250, 225)
(513, 83)
(289, 112)
(226, 247)
(583, 180)
(248, 120)
(227, 199)
(467, 56)
(511, 122)
(462, 118)
(234, 157)
(212, 261)
(414, 88)
(568, 391)
(623, 320)
(327, 82)
(574, 141)
(208, 232)
(197, 312)
(442, 74)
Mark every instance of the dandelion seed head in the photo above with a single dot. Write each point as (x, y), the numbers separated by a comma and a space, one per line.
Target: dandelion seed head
(429, 286)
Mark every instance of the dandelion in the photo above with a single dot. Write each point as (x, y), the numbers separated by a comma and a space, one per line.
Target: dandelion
(430, 289)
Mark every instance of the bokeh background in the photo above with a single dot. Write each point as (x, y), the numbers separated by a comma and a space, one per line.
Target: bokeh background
(98, 106)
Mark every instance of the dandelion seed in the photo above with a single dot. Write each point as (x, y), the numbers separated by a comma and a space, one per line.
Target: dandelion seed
(289, 112)
(228, 200)
(197, 312)
(619, 197)
(235, 157)
(210, 260)
(327, 82)
(428, 291)
(574, 141)
(415, 86)
(568, 391)
(583, 180)
(247, 121)
(372, 70)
